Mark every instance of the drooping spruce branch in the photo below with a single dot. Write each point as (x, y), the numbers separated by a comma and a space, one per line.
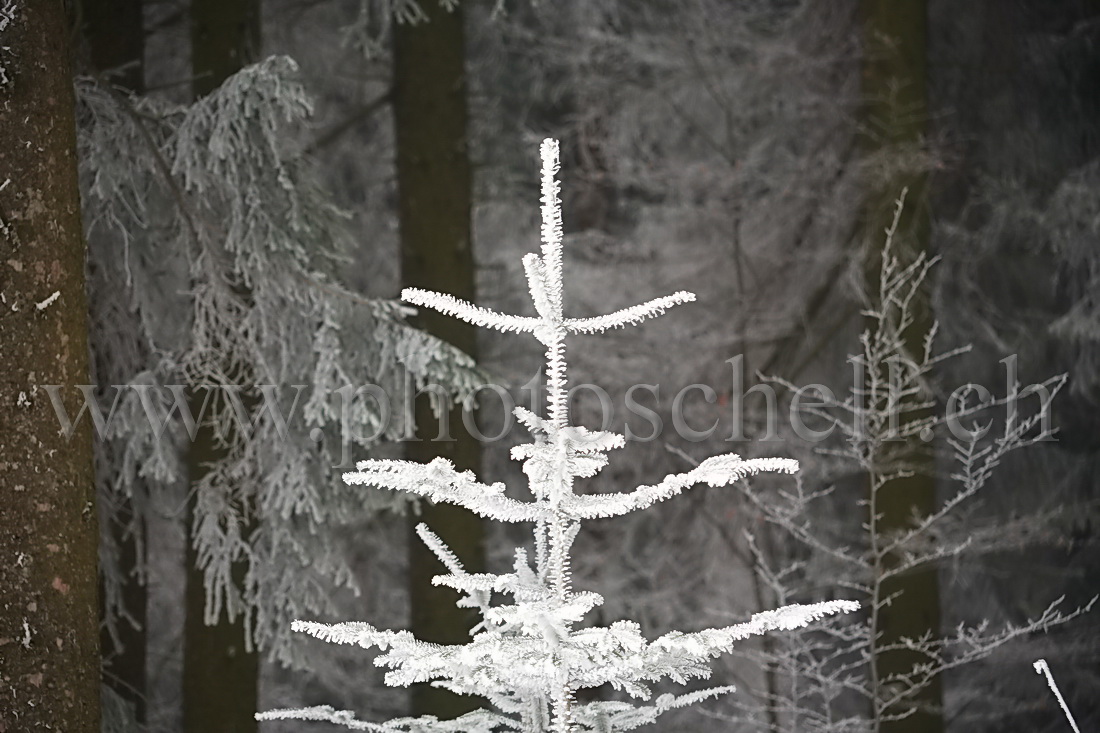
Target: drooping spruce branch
(215, 254)
(528, 657)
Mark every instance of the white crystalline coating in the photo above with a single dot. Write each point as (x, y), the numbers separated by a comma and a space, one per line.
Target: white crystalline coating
(468, 312)
(478, 721)
(1042, 668)
(439, 481)
(527, 657)
(43, 305)
(551, 226)
(629, 316)
(717, 471)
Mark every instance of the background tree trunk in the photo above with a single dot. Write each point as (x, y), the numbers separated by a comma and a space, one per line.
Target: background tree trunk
(49, 659)
(434, 180)
(116, 40)
(225, 37)
(220, 675)
(895, 116)
(116, 44)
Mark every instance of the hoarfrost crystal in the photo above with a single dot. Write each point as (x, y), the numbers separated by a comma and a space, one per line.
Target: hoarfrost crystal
(526, 657)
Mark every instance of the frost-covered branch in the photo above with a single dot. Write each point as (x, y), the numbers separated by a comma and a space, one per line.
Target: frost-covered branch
(628, 316)
(479, 721)
(1041, 667)
(439, 481)
(715, 471)
(460, 309)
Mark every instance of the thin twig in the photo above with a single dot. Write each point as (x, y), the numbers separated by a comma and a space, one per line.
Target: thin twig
(1041, 667)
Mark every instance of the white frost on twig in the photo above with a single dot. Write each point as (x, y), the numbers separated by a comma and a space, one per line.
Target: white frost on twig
(1042, 668)
(43, 305)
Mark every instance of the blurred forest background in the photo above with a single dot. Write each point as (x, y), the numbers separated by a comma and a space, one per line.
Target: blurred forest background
(259, 178)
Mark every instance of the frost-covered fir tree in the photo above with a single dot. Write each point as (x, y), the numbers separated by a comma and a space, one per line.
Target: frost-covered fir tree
(528, 657)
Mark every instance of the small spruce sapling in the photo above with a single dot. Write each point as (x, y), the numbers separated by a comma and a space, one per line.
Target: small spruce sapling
(527, 658)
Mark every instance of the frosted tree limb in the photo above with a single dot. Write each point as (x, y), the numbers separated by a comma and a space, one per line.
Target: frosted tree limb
(716, 471)
(479, 721)
(536, 283)
(628, 316)
(327, 714)
(1041, 667)
(551, 224)
(43, 305)
(464, 311)
(355, 632)
(439, 481)
(779, 619)
(444, 553)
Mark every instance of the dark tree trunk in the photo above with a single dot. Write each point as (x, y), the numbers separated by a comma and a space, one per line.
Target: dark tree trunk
(220, 674)
(116, 45)
(895, 117)
(49, 636)
(116, 40)
(433, 173)
(225, 37)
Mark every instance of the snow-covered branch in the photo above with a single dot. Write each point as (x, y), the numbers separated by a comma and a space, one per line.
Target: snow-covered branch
(716, 471)
(628, 316)
(439, 481)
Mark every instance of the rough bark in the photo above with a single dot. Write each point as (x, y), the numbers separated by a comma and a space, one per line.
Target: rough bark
(895, 116)
(49, 650)
(220, 675)
(434, 181)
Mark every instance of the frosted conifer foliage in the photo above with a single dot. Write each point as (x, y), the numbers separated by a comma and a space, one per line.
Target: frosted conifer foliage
(527, 657)
(215, 261)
